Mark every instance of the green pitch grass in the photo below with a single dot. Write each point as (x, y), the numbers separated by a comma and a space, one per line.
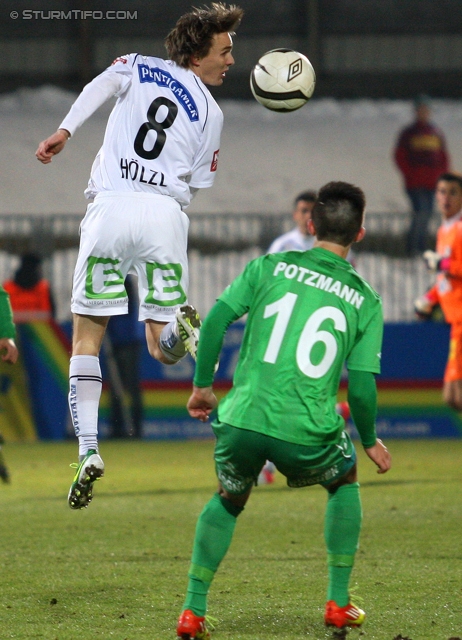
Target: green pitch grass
(117, 570)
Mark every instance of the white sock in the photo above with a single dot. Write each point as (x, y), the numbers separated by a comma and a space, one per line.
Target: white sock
(85, 384)
(170, 343)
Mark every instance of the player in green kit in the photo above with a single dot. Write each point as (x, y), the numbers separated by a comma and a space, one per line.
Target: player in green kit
(308, 313)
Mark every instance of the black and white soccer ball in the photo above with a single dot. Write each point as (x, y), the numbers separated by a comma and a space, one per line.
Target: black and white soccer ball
(283, 80)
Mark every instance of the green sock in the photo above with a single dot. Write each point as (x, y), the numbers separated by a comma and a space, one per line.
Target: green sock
(341, 532)
(214, 532)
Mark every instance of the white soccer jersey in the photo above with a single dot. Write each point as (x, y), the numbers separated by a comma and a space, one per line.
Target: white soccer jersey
(295, 241)
(163, 135)
(292, 241)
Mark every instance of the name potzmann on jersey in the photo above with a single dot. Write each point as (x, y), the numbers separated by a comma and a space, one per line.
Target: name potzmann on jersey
(319, 281)
(132, 169)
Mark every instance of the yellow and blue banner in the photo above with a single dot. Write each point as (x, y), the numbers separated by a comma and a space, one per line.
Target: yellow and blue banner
(16, 420)
(410, 403)
(44, 354)
(33, 393)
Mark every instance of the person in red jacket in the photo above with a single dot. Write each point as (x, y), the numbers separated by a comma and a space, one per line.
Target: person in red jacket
(421, 156)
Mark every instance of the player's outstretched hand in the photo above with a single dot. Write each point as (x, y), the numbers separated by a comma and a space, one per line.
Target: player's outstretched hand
(423, 307)
(8, 350)
(52, 145)
(201, 403)
(380, 455)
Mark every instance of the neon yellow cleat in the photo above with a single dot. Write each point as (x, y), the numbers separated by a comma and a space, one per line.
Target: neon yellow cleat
(189, 324)
(90, 469)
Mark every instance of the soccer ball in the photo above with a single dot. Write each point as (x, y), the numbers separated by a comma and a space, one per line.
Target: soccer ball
(283, 80)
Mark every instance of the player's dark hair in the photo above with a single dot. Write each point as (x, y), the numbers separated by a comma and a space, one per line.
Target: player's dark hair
(338, 212)
(306, 196)
(194, 31)
(451, 177)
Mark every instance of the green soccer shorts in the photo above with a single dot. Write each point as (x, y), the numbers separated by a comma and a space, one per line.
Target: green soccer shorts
(240, 454)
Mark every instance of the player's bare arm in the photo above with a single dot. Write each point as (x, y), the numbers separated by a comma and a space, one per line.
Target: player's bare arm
(380, 455)
(52, 145)
(8, 350)
(201, 403)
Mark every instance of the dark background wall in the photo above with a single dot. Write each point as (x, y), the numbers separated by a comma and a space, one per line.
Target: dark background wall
(359, 48)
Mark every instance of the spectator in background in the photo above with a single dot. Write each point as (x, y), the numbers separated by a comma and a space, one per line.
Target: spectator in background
(123, 344)
(8, 353)
(299, 239)
(421, 156)
(446, 262)
(29, 292)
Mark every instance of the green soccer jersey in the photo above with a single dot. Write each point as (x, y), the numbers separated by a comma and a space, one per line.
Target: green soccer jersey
(7, 328)
(308, 313)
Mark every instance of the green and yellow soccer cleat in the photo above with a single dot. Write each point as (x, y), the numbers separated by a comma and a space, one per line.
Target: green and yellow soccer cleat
(189, 324)
(90, 469)
(4, 473)
(349, 616)
(191, 627)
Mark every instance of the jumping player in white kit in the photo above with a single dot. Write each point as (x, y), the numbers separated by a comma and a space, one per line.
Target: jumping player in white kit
(161, 145)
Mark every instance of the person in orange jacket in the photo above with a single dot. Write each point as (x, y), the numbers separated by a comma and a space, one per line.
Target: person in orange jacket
(446, 262)
(30, 294)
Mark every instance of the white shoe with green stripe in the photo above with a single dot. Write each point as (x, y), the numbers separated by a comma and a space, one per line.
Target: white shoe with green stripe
(90, 469)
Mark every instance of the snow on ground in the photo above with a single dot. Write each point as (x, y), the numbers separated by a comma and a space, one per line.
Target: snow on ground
(266, 158)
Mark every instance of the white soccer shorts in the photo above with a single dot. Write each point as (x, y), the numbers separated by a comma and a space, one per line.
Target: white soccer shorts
(139, 233)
